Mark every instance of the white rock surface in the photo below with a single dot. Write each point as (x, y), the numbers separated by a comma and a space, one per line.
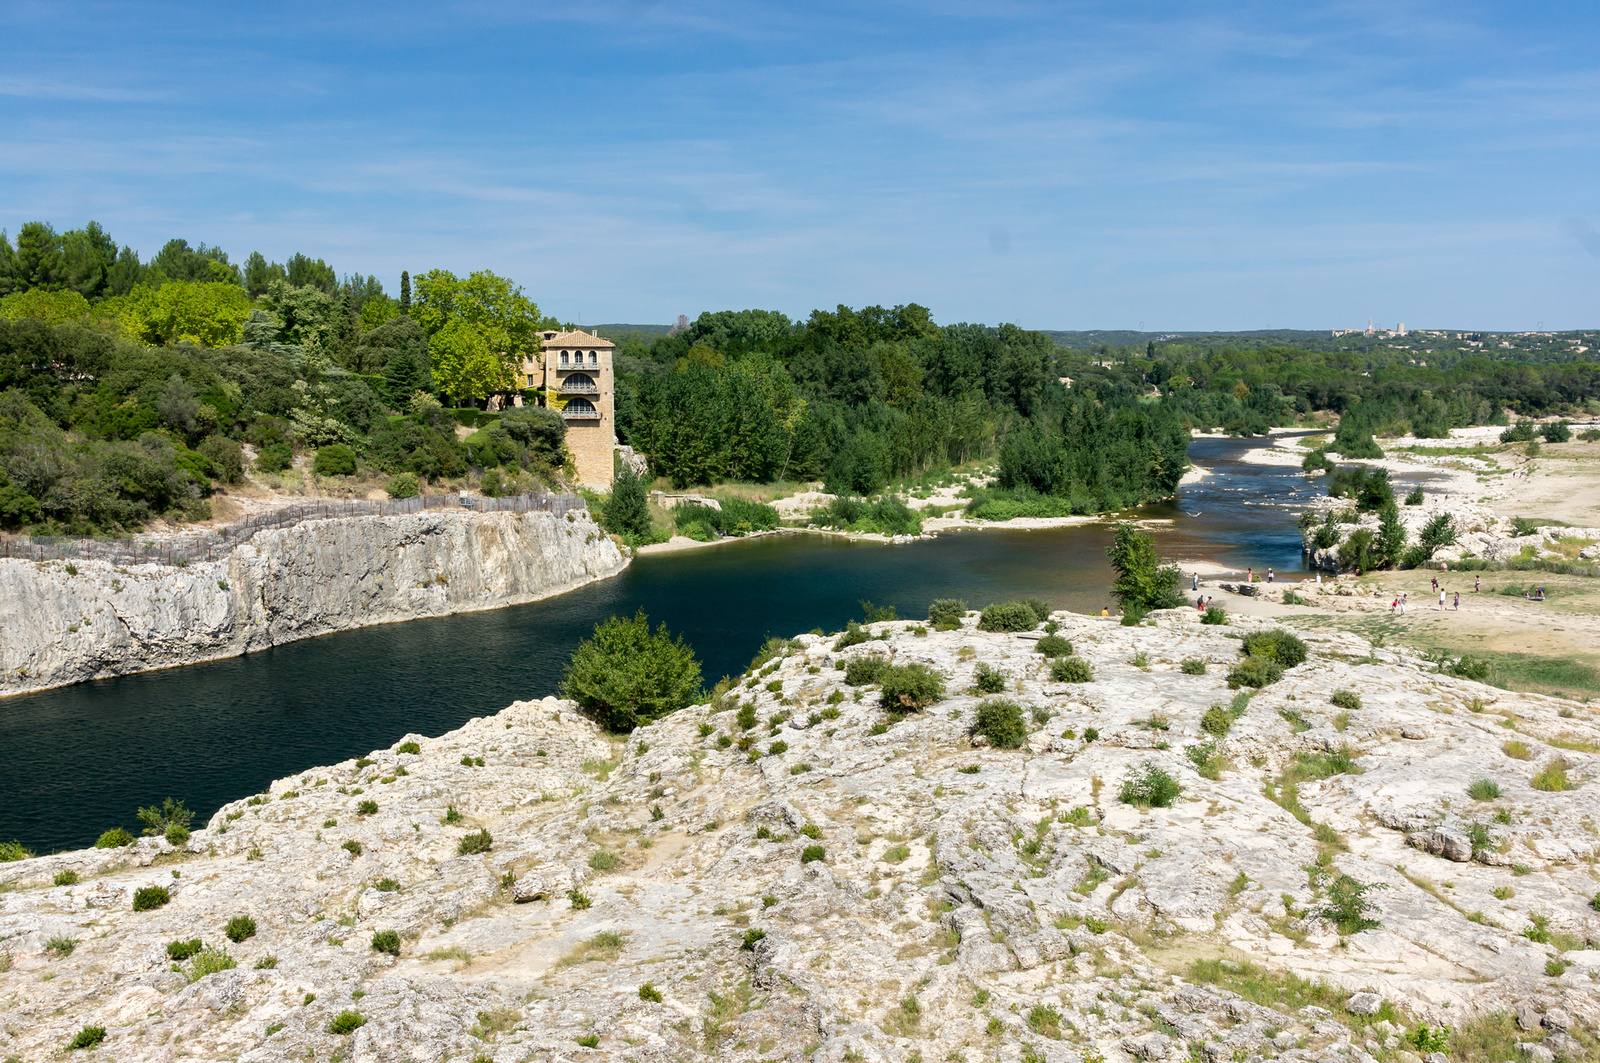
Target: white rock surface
(1010, 904)
(291, 583)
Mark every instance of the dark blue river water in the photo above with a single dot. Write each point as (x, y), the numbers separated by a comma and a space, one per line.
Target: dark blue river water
(79, 760)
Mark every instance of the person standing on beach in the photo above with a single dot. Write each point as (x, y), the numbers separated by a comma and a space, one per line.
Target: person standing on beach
(1269, 575)
(1458, 601)
(1402, 605)
(1441, 599)
(1477, 582)
(1250, 574)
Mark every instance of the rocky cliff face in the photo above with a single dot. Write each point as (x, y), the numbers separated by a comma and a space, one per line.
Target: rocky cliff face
(657, 898)
(64, 626)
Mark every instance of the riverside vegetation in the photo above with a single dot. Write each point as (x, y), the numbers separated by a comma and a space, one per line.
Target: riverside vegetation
(853, 851)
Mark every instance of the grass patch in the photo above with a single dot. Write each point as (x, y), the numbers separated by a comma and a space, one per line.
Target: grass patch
(1286, 992)
(603, 947)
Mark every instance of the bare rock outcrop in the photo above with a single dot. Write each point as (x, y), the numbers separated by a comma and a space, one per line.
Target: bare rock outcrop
(657, 897)
(65, 624)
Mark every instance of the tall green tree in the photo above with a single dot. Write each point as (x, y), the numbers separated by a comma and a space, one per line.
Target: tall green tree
(480, 329)
(405, 292)
(627, 511)
(1143, 582)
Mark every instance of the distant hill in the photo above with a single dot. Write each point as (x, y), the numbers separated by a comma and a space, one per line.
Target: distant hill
(1082, 341)
(611, 332)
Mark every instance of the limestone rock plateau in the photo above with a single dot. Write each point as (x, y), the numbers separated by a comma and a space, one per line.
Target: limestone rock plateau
(835, 883)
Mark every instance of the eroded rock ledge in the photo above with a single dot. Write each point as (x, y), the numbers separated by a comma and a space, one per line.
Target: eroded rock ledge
(1016, 911)
(66, 624)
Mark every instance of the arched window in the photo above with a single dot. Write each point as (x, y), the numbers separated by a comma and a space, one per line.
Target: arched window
(579, 408)
(563, 358)
(579, 382)
(594, 359)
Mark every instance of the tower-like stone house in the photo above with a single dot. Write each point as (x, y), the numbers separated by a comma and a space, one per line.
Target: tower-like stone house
(578, 383)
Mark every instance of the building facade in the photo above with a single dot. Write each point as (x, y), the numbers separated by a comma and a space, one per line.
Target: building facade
(576, 377)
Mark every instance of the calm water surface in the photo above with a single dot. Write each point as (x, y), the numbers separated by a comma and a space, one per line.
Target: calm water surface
(76, 761)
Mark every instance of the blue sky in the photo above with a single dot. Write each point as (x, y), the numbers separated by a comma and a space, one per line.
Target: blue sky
(1068, 165)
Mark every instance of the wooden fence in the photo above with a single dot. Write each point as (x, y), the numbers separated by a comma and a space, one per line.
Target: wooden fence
(209, 544)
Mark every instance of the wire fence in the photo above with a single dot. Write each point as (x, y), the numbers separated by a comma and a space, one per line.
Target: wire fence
(209, 544)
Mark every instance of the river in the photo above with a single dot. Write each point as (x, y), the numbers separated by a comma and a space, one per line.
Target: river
(79, 760)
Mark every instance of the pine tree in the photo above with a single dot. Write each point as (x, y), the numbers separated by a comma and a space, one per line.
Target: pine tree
(627, 511)
(405, 292)
(1391, 542)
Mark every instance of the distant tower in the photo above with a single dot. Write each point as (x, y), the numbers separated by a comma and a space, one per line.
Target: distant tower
(577, 379)
(1369, 328)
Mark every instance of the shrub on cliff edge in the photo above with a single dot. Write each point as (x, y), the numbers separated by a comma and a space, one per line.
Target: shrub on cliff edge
(628, 675)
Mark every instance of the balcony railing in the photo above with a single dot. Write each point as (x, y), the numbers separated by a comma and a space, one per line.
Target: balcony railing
(590, 414)
(579, 387)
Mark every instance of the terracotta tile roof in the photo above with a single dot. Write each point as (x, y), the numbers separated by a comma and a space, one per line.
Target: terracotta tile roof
(578, 338)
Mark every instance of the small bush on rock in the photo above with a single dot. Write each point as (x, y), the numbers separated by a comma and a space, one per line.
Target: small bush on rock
(1348, 907)
(649, 993)
(1071, 670)
(404, 485)
(367, 808)
(1194, 666)
(811, 853)
(1147, 786)
(1053, 646)
(946, 613)
(178, 951)
(860, 671)
(1275, 645)
(386, 941)
(628, 675)
(87, 1037)
(149, 898)
(1216, 721)
(352, 847)
(240, 928)
(477, 842)
(987, 680)
(66, 878)
(1346, 699)
(1014, 616)
(115, 838)
(1483, 790)
(210, 961)
(1000, 721)
(1214, 615)
(910, 687)
(1254, 672)
(346, 1022)
(409, 747)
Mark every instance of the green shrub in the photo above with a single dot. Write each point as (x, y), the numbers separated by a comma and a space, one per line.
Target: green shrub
(1194, 666)
(367, 808)
(1214, 615)
(1071, 670)
(177, 835)
(1346, 699)
(115, 838)
(477, 842)
(87, 1037)
(579, 900)
(627, 675)
(1275, 645)
(13, 850)
(352, 847)
(946, 614)
(158, 820)
(649, 993)
(240, 928)
(1553, 778)
(404, 485)
(603, 860)
(910, 687)
(149, 898)
(1483, 790)
(1254, 672)
(178, 951)
(812, 852)
(387, 885)
(987, 680)
(210, 961)
(275, 457)
(1143, 582)
(1347, 906)
(588, 1040)
(1000, 721)
(61, 946)
(1013, 616)
(1216, 721)
(335, 459)
(1147, 786)
(1053, 646)
(1557, 432)
(346, 1022)
(66, 878)
(1414, 497)
(386, 941)
(409, 747)
(860, 671)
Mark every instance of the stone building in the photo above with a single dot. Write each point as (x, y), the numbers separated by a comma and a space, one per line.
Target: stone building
(577, 381)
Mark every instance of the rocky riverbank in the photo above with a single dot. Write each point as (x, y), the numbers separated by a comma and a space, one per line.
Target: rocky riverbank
(68, 622)
(834, 883)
